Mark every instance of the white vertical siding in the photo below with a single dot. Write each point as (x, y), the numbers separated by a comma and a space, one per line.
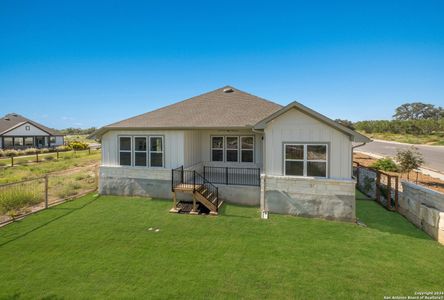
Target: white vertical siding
(296, 126)
(192, 148)
(173, 146)
(59, 141)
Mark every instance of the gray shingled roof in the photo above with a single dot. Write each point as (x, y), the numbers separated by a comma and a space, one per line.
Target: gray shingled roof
(216, 109)
(13, 120)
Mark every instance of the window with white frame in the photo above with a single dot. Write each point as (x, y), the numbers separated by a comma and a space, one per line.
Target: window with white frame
(217, 148)
(247, 148)
(156, 151)
(140, 156)
(125, 150)
(232, 149)
(306, 160)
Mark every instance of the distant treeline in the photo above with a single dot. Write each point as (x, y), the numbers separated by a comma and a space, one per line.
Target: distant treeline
(425, 126)
(78, 131)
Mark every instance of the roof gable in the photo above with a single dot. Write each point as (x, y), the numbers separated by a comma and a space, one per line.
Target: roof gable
(355, 136)
(226, 107)
(13, 120)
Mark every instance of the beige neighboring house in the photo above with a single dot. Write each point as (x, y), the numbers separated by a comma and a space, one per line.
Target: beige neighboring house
(229, 145)
(18, 132)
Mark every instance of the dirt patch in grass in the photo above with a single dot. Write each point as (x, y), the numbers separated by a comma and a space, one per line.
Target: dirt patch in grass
(415, 177)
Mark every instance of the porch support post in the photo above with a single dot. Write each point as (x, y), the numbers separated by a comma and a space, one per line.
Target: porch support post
(194, 210)
(174, 209)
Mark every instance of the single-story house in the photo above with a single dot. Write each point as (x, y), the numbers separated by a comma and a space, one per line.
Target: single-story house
(229, 145)
(18, 132)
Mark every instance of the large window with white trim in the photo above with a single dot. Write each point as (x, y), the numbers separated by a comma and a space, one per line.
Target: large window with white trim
(140, 156)
(125, 150)
(247, 148)
(306, 160)
(217, 148)
(141, 151)
(232, 149)
(156, 151)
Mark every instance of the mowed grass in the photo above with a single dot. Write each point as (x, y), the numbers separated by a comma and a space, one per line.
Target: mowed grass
(67, 160)
(102, 248)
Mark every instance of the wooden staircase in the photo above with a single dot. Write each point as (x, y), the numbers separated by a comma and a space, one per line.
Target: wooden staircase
(203, 191)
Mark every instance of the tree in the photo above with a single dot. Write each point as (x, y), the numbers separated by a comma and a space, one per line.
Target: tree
(346, 123)
(418, 111)
(409, 160)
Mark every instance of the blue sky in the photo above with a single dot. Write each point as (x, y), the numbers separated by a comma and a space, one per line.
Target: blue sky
(82, 64)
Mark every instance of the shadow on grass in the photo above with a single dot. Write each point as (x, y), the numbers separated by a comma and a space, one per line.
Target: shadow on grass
(377, 217)
(67, 212)
(232, 214)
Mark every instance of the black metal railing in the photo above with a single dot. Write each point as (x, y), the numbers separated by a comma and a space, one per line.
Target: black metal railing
(194, 180)
(233, 176)
(207, 189)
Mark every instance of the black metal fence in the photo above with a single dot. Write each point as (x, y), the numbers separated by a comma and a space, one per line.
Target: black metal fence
(233, 176)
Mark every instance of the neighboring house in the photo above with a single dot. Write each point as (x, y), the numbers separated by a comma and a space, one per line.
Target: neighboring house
(228, 145)
(18, 132)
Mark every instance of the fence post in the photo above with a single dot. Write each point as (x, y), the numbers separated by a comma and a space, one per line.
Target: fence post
(89, 150)
(396, 193)
(46, 191)
(389, 192)
(226, 175)
(204, 172)
(12, 161)
(37, 157)
(57, 150)
(378, 181)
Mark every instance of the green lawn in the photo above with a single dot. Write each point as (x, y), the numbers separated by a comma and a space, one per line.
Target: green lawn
(102, 248)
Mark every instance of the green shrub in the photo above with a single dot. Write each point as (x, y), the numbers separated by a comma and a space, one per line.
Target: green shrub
(11, 152)
(2, 153)
(2, 163)
(76, 145)
(44, 150)
(79, 177)
(385, 164)
(30, 151)
(63, 148)
(15, 198)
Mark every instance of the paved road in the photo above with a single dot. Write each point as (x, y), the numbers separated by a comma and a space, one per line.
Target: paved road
(433, 155)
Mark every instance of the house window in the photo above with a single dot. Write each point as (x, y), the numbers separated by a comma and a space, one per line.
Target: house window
(232, 151)
(247, 149)
(125, 150)
(18, 142)
(29, 141)
(217, 148)
(140, 156)
(8, 142)
(156, 151)
(305, 160)
(52, 139)
(27, 128)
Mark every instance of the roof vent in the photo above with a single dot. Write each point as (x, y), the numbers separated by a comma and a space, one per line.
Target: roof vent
(228, 90)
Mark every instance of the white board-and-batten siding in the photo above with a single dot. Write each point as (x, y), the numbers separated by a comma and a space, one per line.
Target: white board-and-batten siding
(295, 126)
(181, 147)
(173, 145)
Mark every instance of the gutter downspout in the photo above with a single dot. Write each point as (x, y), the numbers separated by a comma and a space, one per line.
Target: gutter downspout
(262, 200)
(353, 148)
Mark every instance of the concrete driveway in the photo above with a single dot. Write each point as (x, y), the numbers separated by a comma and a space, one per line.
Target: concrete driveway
(433, 155)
